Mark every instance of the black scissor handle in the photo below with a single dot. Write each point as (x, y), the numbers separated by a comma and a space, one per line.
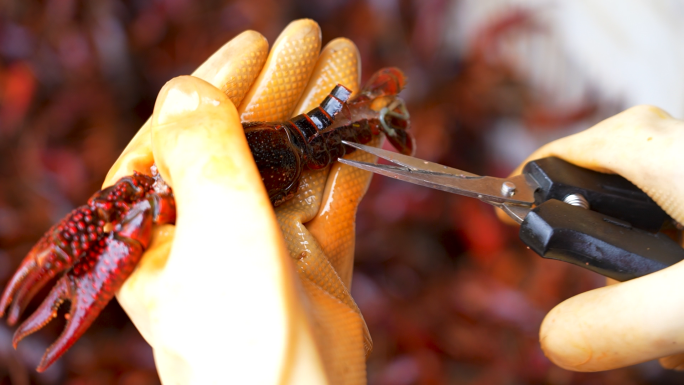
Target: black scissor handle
(611, 195)
(597, 242)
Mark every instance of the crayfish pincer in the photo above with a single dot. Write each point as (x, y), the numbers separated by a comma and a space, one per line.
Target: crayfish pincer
(96, 247)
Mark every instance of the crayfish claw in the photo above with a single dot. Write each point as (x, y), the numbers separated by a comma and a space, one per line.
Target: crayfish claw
(89, 285)
(93, 262)
(37, 269)
(45, 312)
(8, 295)
(49, 257)
(22, 298)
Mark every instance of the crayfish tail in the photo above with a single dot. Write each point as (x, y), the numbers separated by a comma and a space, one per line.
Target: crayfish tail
(322, 116)
(333, 103)
(387, 81)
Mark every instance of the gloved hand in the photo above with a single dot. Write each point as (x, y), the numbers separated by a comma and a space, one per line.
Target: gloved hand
(638, 320)
(224, 296)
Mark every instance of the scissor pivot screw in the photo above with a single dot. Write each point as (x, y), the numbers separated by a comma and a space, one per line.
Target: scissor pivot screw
(508, 189)
(577, 200)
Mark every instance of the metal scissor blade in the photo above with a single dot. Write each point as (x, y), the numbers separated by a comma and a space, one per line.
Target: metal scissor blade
(410, 162)
(484, 188)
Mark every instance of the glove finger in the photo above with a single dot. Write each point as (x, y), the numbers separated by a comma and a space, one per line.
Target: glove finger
(341, 333)
(339, 63)
(140, 291)
(232, 69)
(200, 150)
(284, 75)
(334, 224)
(591, 331)
(643, 144)
(675, 362)
(618, 325)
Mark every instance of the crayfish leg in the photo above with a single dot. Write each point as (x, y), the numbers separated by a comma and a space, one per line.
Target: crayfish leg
(89, 286)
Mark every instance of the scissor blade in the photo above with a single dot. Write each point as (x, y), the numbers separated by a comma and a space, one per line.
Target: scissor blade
(410, 162)
(484, 188)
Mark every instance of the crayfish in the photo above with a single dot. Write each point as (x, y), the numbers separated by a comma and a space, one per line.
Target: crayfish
(97, 246)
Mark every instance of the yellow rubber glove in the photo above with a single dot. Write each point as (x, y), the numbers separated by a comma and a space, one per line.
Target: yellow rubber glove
(225, 296)
(638, 320)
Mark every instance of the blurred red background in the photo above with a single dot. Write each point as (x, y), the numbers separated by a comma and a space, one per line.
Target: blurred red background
(451, 295)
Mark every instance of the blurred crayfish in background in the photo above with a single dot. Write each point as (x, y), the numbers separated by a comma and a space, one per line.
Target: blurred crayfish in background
(448, 294)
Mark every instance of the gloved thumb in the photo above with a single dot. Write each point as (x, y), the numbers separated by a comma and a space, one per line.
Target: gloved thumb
(618, 325)
(643, 144)
(224, 296)
(639, 320)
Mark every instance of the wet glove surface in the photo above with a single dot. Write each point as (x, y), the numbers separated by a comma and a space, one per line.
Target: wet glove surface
(235, 292)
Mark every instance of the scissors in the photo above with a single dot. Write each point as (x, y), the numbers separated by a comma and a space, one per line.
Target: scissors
(600, 222)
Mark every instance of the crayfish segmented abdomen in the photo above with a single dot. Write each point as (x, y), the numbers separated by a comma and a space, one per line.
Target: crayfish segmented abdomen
(314, 140)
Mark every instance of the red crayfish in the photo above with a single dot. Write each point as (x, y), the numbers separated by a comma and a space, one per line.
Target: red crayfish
(98, 245)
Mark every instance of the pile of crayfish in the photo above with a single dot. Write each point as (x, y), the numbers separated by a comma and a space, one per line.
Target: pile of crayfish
(97, 246)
